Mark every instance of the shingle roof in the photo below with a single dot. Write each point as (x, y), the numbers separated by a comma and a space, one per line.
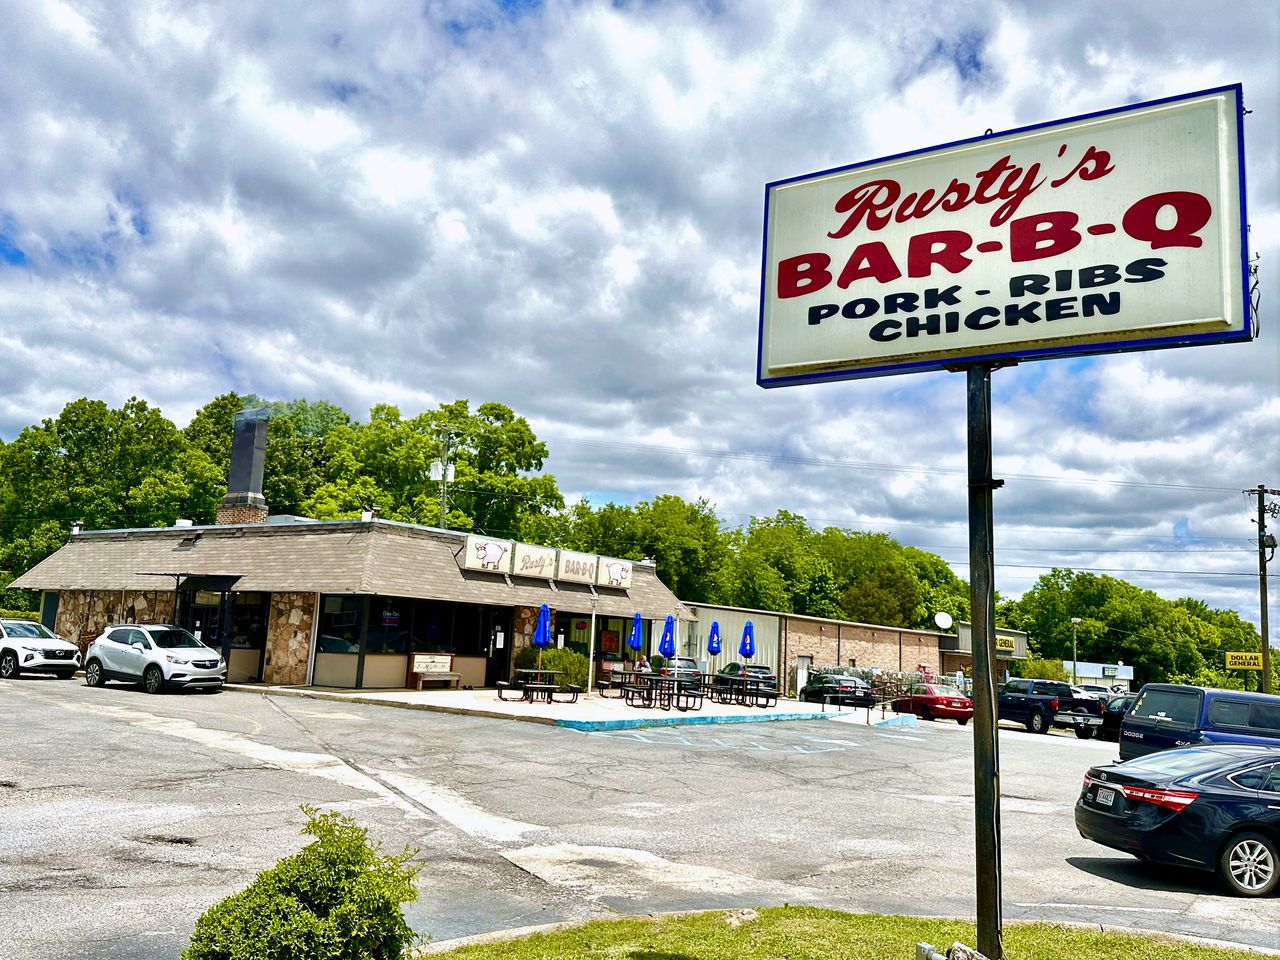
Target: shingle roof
(378, 557)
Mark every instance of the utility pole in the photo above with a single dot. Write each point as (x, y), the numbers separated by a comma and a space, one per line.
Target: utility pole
(1075, 622)
(448, 439)
(1265, 541)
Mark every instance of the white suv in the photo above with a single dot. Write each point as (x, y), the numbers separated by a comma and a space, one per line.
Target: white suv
(30, 647)
(159, 656)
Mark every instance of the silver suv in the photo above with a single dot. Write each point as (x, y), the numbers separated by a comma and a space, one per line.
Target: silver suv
(159, 656)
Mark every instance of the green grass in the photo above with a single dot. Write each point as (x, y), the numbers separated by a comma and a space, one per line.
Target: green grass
(807, 933)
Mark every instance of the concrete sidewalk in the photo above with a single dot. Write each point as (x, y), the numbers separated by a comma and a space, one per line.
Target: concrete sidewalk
(588, 714)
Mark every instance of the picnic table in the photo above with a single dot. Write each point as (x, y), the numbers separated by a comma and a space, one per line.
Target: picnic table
(744, 690)
(536, 684)
(643, 689)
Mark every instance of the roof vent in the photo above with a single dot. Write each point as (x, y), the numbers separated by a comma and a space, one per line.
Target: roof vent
(180, 522)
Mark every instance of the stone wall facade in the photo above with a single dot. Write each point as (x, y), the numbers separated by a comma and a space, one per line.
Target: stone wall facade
(290, 624)
(83, 614)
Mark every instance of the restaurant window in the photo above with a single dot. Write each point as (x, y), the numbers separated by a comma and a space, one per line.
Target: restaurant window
(341, 619)
(248, 629)
(391, 626)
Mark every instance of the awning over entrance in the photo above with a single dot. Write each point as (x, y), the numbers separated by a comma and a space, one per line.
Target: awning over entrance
(211, 582)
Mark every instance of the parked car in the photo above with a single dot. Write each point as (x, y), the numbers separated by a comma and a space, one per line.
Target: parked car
(30, 647)
(1042, 704)
(754, 671)
(159, 656)
(1097, 689)
(1113, 712)
(684, 669)
(935, 701)
(1168, 715)
(837, 688)
(1084, 693)
(1212, 807)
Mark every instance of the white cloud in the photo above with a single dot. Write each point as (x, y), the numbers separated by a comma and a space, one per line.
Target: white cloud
(559, 208)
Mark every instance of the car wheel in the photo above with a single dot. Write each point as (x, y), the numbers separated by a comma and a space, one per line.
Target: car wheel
(962, 720)
(1249, 865)
(153, 680)
(93, 674)
(9, 665)
(1084, 733)
(1037, 723)
(926, 713)
(802, 697)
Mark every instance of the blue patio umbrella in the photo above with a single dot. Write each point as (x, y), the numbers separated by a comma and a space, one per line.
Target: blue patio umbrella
(713, 641)
(636, 640)
(667, 645)
(747, 648)
(542, 632)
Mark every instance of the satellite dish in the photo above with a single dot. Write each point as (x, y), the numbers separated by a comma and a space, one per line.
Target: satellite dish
(943, 620)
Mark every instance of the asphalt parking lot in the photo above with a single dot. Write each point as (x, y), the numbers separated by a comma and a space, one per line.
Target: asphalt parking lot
(123, 816)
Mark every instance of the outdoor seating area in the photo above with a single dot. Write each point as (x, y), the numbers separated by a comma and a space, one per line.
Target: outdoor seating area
(537, 685)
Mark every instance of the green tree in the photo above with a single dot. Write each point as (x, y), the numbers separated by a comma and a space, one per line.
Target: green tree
(105, 468)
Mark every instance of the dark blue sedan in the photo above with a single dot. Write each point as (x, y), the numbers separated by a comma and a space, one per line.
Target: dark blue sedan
(1213, 807)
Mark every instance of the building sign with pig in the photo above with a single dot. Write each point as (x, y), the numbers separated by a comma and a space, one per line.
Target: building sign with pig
(1114, 231)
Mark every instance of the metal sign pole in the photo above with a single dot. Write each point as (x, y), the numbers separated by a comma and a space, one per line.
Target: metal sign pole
(986, 757)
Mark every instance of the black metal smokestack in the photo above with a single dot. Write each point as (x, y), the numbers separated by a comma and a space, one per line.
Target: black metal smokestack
(244, 502)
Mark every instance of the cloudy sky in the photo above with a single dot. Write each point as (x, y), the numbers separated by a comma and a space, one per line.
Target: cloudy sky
(558, 206)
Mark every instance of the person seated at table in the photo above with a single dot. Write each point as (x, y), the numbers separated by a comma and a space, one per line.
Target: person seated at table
(642, 665)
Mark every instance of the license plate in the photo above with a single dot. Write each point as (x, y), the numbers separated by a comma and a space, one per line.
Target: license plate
(1105, 797)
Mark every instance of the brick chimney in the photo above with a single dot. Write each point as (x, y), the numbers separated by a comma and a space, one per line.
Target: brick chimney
(244, 502)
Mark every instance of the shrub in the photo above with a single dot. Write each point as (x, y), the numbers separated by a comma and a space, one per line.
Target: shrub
(20, 614)
(338, 898)
(571, 664)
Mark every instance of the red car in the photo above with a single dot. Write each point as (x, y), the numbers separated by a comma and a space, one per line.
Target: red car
(934, 701)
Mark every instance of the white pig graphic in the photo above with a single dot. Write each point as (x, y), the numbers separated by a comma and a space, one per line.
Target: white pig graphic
(490, 554)
(617, 572)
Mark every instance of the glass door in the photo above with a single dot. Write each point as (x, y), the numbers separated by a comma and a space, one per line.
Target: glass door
(496, 624)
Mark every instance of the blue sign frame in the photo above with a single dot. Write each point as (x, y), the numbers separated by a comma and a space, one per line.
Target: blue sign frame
(1016, 354)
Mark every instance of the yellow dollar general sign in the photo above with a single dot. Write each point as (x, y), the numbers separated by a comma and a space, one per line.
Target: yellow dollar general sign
(1244, 661)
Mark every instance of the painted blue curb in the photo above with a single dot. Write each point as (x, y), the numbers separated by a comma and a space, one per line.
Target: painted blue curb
(901, 720)
(589, 726)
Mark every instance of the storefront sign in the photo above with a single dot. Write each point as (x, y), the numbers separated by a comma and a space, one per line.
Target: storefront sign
(531, 561)
(432, 663)
(485, 553)
(1244, 661)
(1005, 644)
(613, 573)
(578, 567)
(1119, 230)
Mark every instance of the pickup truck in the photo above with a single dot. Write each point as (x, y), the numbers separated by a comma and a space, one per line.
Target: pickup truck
(1042, 704)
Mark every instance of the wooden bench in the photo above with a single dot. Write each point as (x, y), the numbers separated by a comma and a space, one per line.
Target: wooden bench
(434, 667)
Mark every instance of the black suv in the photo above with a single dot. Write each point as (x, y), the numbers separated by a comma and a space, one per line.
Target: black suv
(837, 688)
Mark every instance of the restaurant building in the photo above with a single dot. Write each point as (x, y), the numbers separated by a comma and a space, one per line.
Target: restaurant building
(347, 603)
(343, 603)
(793, 645)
